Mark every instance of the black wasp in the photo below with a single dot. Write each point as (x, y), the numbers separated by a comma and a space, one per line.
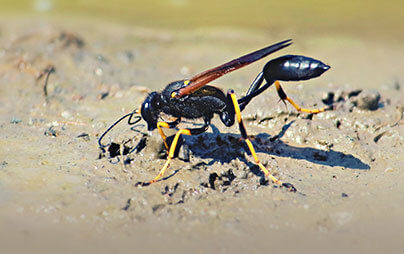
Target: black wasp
(193, 98)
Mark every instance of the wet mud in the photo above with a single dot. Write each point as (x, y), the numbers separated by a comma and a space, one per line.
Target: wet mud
(61, 87)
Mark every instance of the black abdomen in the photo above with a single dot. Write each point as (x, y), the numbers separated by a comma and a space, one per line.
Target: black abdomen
(293, 68)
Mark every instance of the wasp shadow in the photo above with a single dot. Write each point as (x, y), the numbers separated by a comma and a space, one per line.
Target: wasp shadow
(223, 148)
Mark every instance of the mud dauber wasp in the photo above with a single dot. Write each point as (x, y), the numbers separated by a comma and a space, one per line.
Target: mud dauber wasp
(193, 98)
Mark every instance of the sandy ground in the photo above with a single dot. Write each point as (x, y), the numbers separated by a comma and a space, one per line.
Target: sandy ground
(58, 192)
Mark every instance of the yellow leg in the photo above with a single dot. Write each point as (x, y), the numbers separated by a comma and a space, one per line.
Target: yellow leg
(284, 97)
(161, 125)
(171, 153)
(251, 147)
(169, 125)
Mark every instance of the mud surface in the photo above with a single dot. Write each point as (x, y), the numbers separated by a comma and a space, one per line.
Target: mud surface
(58, 191)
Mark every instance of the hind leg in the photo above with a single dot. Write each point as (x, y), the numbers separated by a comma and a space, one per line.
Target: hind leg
(284, 98)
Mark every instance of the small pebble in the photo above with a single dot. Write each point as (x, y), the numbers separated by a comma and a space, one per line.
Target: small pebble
(98, 72)
(328, 98)
(51, 132)
(15, 120)
(367, 100)
(3, 164)
(66, 115)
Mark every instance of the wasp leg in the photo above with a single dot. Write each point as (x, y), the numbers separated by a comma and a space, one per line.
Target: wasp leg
(169, 125)
(251, 147)
(284, 97)
(173, 147)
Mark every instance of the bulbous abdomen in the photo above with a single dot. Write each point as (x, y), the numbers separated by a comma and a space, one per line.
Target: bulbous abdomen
(293, 68)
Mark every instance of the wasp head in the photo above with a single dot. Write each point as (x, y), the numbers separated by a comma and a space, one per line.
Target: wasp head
(150, 110)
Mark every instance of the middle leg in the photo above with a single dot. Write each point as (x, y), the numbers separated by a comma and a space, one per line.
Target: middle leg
(250, 145)
(168, 125)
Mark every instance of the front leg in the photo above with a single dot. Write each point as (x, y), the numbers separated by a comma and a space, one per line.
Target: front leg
(172, 149)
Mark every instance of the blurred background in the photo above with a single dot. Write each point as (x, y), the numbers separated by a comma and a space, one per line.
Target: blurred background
(109, 54)
(361, 18)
